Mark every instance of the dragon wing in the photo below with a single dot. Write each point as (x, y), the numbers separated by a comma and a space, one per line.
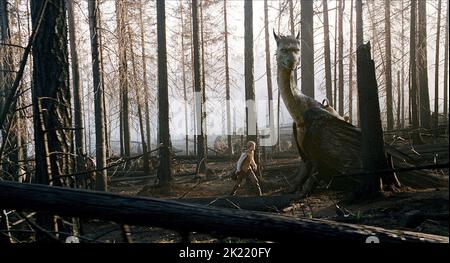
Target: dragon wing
(333, 144)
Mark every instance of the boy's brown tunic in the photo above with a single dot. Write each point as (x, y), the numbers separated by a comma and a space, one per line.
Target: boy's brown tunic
(246, 169)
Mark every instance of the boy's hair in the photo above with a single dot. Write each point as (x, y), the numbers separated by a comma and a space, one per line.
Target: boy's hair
(250, 143)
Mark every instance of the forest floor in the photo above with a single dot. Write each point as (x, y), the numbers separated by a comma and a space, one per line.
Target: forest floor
(421, 210)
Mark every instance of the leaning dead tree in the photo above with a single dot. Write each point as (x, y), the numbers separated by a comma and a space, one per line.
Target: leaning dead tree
(189, 218)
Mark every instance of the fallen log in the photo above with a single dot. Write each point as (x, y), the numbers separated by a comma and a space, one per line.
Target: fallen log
(126, 173)
(131, 178)
(188, 217)
(255, 203)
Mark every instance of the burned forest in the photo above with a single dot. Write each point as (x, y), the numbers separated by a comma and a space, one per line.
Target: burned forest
(201, 121)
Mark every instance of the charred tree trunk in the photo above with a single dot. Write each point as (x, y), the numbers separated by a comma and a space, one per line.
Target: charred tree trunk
(279, 93)
(399, 100)
(101, 181)
(78, 109)
(326, 33)
(388, 69)
(194, 106)
(145, 152)
(102, 72)
(164, 171)
(436, 72)
(417, 138)
(359, 23)
(51, 96)
(51, 99)
(203, 74)
(372, 148)
(350, 68)
(183, 62)
(292, 26)
(424, 97)
(269, 74)
(188, 217)
(123, 77)
(227, 78)
(335, 90)
(359, 41)
(145, 82)
(341, 58)
(446, 67)
(198, 91)
(251, 117)
(10, 130)
(307, 48)
(402, 86)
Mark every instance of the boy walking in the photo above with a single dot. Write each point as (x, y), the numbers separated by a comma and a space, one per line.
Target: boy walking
(245, 168)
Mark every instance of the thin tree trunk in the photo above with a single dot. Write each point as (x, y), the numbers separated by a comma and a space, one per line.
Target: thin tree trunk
(424, 97)
(22, 123)
(164, 171)
(11, 141)
(199, 90)
(101, 182)
(417, 138)
(359, 41)
(269, 72)
(279, 93)
(446, 67)
(183, 62)
(388, 69)
(436, 72)
(403, 68)
(194, 106)
(203, 74)
(145, 152)
(123, 77)
(341, 58)
(335, 57)
(121, 138)
(291, 17)
(227, 80)
(350, 69)
(307, 48)
(292, 26)
(399, 100)
(251, 117)
(5, 60)
(78, 109)
(102, 72)
(145, 81)
(326, 33)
